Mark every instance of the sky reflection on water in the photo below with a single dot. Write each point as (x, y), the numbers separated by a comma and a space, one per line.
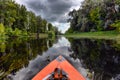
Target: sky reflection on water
(60, 48)
(88, 56)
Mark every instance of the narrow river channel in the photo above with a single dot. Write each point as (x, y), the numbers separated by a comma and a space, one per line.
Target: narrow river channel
(94, 59)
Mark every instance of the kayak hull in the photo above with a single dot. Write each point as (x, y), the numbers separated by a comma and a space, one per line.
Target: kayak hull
(59, 62)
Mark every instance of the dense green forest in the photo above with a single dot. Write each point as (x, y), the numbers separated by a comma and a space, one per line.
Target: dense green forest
(95, 15)
(15, 20)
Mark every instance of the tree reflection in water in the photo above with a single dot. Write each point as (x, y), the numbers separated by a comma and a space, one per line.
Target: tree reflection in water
(100, 56)
(16, 54)
(23, 59)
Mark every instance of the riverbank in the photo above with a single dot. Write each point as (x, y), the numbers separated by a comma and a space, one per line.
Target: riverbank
(41, 35)
(95, 35)
(32, 35)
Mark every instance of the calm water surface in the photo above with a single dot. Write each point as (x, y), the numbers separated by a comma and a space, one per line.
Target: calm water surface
(94, 59)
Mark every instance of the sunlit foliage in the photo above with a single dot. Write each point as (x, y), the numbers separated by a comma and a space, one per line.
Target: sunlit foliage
(17, 20)
(95, 15)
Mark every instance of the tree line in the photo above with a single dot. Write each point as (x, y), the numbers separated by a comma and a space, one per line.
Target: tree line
(95, 15)
(16, 20)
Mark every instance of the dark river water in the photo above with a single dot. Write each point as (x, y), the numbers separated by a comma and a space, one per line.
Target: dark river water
(22, 59)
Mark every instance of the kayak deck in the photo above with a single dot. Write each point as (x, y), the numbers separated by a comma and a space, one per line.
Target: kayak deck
(59, 62)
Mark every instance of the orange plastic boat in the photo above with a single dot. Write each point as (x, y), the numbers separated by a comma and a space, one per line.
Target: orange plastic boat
(63, 67)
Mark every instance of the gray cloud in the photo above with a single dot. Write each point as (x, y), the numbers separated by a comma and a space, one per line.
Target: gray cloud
(52, 10)
(34, 66)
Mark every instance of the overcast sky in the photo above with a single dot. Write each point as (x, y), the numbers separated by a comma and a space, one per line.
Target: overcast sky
(54, 11)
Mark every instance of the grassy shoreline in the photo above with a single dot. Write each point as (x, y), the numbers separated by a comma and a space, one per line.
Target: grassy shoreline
(34, 35)
(41, 35)
(96, 35)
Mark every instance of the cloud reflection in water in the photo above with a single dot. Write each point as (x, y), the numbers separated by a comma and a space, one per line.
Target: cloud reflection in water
(60, 48)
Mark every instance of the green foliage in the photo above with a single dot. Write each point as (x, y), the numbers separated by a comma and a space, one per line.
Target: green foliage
(51, 34)
(117, 25)
(99, 25)
(95, 15)
(2, 47)
(8, 31)
(19, 21)
(117, 2)
(69, 31)
(24, 33)
(16, 32)
(2, 30)
(95, 18)
(49, 26)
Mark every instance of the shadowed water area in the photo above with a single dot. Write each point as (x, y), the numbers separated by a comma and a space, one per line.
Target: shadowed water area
(22, 59)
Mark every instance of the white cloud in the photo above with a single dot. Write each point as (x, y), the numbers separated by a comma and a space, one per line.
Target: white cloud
(54, 11)
(62, 26)
(19, 1)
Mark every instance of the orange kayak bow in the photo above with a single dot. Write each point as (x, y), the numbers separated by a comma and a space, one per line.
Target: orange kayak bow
(57, 70)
